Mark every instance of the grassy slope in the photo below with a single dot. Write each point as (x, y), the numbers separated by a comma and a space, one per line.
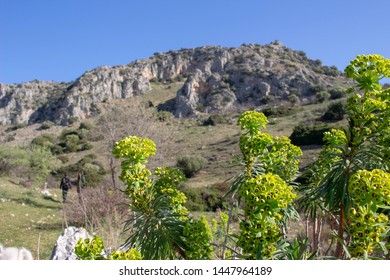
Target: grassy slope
(27, 217)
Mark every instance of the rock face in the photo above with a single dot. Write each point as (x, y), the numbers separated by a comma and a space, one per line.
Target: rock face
(64, 248)
(215, 79)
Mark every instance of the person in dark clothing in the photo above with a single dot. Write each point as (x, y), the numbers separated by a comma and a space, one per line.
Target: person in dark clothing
(65, 186)
(80, 184)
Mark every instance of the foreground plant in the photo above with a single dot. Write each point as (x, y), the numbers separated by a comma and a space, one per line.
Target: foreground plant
(160, 226)
(93, 249)
(269, 163)
(370, 192)
(362, 145)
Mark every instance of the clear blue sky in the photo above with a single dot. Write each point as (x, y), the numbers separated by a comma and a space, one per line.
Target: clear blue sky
(58, 40)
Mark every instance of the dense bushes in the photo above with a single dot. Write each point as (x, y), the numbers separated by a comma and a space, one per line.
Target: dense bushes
(280, 111)
(34, 162)
(204, 199)
(309, 134)
(190, 165)
(69, 141)
(93, 170)
(215, 119)
(335, 112)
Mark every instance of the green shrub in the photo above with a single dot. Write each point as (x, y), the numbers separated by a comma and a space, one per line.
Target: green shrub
(86, 146)
(46, 125)
(280, 111)
(335, 112)
(309, 135)
(164, 116)
(314, 89)
(72, 140)
(73, 120)
(215, 119)
(16, 127)
(86, 125)
(322, 96)
(46, 140)
(267, 99)
(337, 93)
(190, 165)
(72, 143)
(204, 199)
(33, 162)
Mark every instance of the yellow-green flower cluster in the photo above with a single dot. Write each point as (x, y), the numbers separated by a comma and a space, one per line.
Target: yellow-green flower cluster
(167, 184)
(265, 196)
(87, 249)
(335, 137)
(198, 236)
(370, 187)
(252, 121)
(267, 189)
(366, 229)
(282, 159)
(369, 191)
(367, 70)
(135, 149)
(131, 254)
(135, 176)
(253, 145)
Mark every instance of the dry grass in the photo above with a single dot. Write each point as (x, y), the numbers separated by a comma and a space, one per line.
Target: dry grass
(100, 210)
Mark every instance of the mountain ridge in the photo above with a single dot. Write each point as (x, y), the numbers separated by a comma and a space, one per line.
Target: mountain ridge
(214, 79)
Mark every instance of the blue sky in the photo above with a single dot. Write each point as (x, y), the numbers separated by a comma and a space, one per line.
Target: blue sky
(58, 40)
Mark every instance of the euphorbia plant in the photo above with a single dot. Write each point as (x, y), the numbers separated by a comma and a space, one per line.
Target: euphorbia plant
(160, 227)
(362, 145)
(269, 163)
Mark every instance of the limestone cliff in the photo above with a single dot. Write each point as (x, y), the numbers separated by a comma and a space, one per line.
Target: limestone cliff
(216, 79)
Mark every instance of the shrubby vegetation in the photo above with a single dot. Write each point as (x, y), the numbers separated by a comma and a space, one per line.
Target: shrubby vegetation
(204, 198)
(349, 183)
(303, 135)
(93, 170)
(190, 165)
(215, 120)
(35, 162)
(335, 112)
(280, 111)
(70, 140)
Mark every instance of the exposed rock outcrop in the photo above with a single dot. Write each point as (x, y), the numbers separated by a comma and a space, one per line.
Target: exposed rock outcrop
(64, 249)
(216, 79)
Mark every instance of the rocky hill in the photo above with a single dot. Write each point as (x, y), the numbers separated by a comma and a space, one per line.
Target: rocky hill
(215, 79)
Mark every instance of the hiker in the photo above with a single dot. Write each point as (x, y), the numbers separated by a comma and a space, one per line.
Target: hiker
(65, 186)
(80, 184)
